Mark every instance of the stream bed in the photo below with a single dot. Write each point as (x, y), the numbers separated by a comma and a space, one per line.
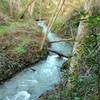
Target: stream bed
(32, 82)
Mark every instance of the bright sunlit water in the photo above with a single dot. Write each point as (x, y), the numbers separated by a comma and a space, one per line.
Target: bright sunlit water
(29, 84)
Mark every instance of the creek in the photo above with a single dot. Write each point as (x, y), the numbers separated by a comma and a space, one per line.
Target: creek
(30, 84)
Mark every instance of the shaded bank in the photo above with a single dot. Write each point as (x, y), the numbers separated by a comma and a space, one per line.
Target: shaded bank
(19, 47)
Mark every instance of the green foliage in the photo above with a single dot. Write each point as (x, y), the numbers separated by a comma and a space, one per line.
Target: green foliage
(7, 66)
(22, 47)
(87, 82)
(3, 28)
(90, 45)
(59, 24)
(82, 13)
(19, 50)
(4, 6)
(72, 24)
(93, 20)
(90, 42)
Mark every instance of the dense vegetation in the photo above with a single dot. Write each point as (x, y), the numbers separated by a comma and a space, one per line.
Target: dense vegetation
(21, 38)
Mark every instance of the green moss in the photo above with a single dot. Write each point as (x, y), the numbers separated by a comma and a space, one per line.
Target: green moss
(19, 50)
(3, 28)
(22, 46)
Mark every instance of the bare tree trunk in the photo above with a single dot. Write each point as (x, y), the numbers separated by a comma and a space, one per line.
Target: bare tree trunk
(11, 7)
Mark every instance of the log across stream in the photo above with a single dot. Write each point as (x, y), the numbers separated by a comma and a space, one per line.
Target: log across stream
(29, 84)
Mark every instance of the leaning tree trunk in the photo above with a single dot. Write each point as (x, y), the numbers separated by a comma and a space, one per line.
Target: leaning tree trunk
(77, 51)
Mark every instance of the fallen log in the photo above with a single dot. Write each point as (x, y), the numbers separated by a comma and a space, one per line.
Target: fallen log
(58, 53)
(63, 40)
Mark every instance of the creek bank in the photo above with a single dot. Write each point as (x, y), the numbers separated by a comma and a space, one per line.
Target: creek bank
(19, 47)
(54, 94)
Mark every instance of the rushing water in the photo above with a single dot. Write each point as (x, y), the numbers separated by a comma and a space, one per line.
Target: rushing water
(29, 84)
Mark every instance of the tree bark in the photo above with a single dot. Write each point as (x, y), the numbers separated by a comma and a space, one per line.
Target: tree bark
(11, 7)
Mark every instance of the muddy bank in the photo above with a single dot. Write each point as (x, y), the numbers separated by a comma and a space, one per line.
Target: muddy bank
(19, 47)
